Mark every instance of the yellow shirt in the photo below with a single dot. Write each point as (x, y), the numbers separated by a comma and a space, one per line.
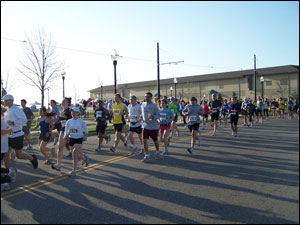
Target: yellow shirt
(117, 109)
(281, 104)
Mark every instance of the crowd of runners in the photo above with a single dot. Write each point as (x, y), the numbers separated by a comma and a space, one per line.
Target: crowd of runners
(156, 120)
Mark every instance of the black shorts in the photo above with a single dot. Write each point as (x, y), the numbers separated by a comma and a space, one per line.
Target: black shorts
(137, 130)
(234, 119)
(176, 118)
(57, 126)
(214, 116)
(100, 129)
(44, 138)
(118, 127)
(74, 141)
(16, 143)
(194, 127)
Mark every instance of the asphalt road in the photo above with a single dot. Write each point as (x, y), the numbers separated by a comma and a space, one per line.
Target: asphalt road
(252, 178)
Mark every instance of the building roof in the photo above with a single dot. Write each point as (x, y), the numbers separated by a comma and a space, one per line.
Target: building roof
(209, 77)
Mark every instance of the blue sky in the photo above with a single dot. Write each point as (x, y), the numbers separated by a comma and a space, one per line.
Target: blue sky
(223, 35)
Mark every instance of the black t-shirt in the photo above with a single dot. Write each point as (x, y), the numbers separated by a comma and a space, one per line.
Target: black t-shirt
(234, 109)
(68, 115)
(215, 106)
(101, 113)
(28, 113)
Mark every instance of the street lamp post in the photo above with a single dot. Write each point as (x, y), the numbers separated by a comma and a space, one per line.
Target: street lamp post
(63, 75)
(262, 80)
(171, 89)
(115, 59)
(175, 83)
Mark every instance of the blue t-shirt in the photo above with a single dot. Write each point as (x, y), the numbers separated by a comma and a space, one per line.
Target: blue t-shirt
(56, 110)
(165, 116)
(225, 107)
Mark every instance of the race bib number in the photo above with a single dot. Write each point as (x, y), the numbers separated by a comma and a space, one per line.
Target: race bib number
(133, 118)
(73, 131)
(117, 112)
(193, 118)
(99, 114)
(214, 110)
(163, 116)
(233, 112)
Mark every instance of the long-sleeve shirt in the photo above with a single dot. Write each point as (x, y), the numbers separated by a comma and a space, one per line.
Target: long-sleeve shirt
(17, 116)
(74, 128)
(152, 109)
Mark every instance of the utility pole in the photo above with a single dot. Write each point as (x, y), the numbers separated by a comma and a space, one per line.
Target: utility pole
(158, 78)
(254, 77)
(158, 70)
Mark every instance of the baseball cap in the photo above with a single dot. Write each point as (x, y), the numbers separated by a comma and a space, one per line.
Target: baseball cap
(7, 97)
(75, 109)
(193, 99)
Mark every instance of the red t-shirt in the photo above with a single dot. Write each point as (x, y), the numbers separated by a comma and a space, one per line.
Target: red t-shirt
(205, 107)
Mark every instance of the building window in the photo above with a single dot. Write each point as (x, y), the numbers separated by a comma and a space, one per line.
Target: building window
(268, 83)
(221, 86)
(283, 81)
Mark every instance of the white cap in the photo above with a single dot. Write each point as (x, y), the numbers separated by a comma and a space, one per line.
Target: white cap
(7, 97)
(75, 109)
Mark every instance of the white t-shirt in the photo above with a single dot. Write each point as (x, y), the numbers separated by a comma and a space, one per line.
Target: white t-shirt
(16, 115)
(74, 128)
(134, 114)
(4, 138)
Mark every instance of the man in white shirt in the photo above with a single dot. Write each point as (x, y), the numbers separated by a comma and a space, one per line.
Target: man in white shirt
(16, 119)
(135, 119)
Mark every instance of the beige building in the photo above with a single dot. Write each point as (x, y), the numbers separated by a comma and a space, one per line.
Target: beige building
(281, 81)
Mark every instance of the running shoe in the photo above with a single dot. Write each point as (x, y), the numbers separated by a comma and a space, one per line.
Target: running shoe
(113, 149)
(165, 152)
(5, 187)
(48, 162)
(146, 159)
(12, 174)
(157, 155)
(35, 162)
(98, 149)
(86, 160)
(56, 167)
(213, 134)
(72, 174)
(190, 150)
(126, 142)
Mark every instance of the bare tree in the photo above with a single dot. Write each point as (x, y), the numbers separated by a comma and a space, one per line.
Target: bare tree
(282, 89)
(40, 66)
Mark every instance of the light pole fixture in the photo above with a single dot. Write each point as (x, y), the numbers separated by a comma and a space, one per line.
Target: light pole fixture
(262, 80)
(171, 89)
(115, 59)
(175, 83)
(63, 75)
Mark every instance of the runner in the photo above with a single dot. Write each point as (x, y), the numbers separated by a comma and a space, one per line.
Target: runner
(266, 108)
(166, 116)
(55, 120)
(259, 109)
(281, 107)
(290, 105)
(193, 110)
(7, 175)
(150, 115)
(205, 114)
(244, 112)
(65, 116)
(118, 109)
(225, 112)
(215, 106)
(234, 115)
(26, 129)
(250, 111)
(173, 105)
(274, 106)
(73, 131)
(135, 125)
(101, 116)
(16, 118)
(46, 126)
